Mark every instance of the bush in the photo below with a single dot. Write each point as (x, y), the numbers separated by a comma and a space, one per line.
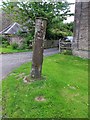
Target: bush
(4, 45)
(14, 46)
(27, 42)
(67, 52)
(3, 41)
(22, 47)
(28, 39)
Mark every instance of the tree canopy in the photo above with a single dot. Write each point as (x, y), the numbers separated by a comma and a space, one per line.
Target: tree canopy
(26, 12)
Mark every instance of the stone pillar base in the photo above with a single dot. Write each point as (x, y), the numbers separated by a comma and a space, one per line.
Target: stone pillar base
(80, 53)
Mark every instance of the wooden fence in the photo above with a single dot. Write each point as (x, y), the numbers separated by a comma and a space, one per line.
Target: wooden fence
(64, 45)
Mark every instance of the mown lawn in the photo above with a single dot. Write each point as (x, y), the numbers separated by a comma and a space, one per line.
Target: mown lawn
(64, 88)
(9, 49)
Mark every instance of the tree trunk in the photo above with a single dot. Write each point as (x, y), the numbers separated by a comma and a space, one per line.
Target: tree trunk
(37, 60)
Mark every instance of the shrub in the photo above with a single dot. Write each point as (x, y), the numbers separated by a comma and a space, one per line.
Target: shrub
(14, 46)
(27, 41)
(67, 52)
(3, 41)
(4, 45)
(22, 47)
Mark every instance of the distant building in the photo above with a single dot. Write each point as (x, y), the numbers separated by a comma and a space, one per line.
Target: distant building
(11, 29)
(10, 33)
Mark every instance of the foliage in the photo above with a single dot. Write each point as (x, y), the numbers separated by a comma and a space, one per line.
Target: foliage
(64, 86)
(26, 12)
(69, 26)
(67, 52)
(4, 41)
(21, 34)
(25, 44)
(14, 46)
(21, 47)
(28, 40)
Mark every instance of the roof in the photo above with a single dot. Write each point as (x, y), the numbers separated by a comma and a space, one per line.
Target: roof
(12, 29)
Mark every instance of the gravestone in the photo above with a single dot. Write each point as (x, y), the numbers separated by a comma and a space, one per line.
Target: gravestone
(81, 46)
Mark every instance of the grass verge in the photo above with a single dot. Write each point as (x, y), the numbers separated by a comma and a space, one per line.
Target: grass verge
(10, 50)
(64, 89)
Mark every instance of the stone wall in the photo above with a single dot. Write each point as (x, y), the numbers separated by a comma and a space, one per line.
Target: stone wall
(47, 43)
(81, 31)
(16, 39)
(51, 43)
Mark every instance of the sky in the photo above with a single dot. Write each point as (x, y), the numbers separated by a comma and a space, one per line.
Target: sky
(72, 8)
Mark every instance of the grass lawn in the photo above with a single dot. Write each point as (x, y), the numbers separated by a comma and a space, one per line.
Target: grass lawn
(10, 50)
(64, 88)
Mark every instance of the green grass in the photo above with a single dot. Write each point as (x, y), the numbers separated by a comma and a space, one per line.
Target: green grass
(10, 50)
(64, 86)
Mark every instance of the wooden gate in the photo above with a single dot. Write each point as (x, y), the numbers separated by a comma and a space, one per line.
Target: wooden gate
(64, 45)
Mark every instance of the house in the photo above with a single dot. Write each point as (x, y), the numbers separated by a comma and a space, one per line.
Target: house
(11, 29)
(10, 32)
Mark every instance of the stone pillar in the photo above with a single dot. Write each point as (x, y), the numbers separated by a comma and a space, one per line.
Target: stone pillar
(37, 60)
(81, 40)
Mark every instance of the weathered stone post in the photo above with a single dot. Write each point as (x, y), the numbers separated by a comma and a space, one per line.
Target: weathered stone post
(81, 46)
(37, 59)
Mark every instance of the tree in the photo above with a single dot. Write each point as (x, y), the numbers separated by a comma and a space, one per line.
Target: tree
(26, 12)
(55, 12)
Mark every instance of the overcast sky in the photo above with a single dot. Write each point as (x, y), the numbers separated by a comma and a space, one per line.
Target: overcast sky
(72, 8)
